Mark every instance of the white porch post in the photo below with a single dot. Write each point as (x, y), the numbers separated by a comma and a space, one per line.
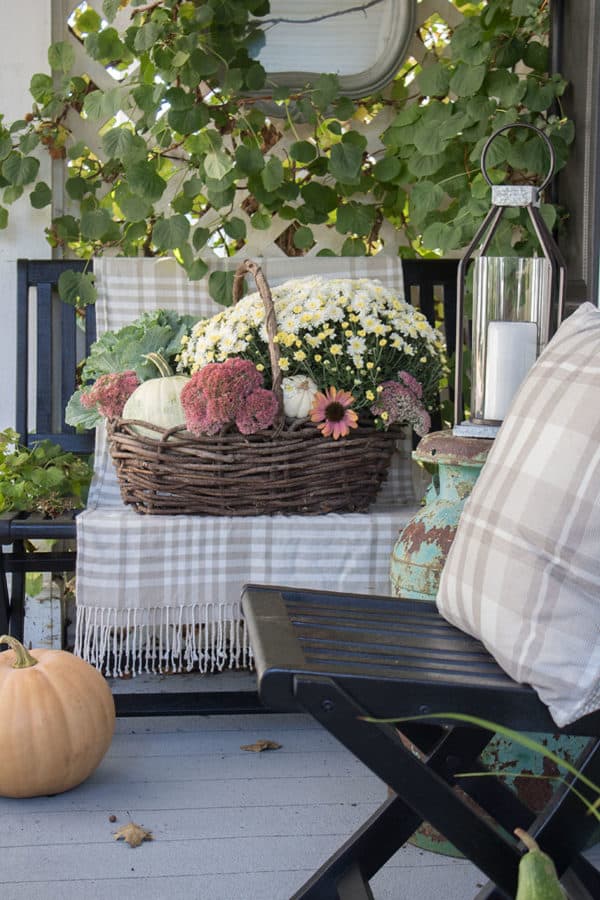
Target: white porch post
(26, 27)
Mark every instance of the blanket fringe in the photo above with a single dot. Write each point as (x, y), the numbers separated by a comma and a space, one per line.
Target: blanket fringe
(204, 637)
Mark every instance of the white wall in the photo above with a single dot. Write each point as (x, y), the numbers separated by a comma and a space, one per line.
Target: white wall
(26, 35)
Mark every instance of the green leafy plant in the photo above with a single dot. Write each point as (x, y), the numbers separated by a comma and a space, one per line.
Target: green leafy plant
(129, 348)
(42, 478)
(187, 159)
(537, 875)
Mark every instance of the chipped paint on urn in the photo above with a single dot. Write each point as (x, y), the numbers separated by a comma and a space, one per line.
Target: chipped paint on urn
(421, 549)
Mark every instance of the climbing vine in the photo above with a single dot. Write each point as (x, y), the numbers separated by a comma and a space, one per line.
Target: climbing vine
(194, 150)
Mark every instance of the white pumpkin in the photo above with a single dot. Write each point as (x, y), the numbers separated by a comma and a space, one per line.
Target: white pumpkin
(298, 395)
(157, 400)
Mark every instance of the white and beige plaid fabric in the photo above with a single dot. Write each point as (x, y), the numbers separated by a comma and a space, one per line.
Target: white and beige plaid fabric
(163, 592)
(523, 573)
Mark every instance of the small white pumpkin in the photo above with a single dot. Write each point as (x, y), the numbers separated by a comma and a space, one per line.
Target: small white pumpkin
(157, 400)
(298, 395)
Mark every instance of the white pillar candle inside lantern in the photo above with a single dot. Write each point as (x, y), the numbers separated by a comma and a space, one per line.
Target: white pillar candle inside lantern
(510, 328)
(511, 352)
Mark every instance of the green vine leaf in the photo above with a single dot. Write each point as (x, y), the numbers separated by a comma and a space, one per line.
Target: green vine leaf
(61, 57)
(220, 287)
(20, 170)
(170, 233)
(76, 288)
(356, 218)
(345, 162)
(272, 174)
(41, 195)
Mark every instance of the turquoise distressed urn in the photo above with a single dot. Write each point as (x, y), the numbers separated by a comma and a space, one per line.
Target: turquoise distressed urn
(422, 546)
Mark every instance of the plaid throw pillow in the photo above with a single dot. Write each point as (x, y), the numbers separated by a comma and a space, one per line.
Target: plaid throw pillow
(523, 573)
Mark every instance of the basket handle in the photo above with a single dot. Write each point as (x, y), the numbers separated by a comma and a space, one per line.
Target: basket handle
(248, 266)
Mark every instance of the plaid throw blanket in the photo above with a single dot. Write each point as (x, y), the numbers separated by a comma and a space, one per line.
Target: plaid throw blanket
(158, 593)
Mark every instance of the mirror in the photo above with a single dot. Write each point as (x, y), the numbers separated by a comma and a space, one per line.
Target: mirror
(364, 43)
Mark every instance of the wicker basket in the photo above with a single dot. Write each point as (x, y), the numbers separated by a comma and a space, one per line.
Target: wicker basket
(291, 468)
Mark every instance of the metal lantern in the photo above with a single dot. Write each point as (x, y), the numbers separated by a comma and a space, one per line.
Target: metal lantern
(517, 304)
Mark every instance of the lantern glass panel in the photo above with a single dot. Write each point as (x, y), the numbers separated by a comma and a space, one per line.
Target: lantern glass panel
(511, 304)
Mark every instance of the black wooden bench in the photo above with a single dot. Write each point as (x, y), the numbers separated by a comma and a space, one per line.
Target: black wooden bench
(52, 340)
(343, 657)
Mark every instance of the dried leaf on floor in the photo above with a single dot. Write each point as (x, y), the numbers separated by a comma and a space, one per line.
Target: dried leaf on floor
(259, 746)
(133, 834)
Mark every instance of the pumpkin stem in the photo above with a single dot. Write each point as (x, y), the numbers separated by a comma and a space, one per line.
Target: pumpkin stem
(526, 839)
(161, 364)
(24, 658)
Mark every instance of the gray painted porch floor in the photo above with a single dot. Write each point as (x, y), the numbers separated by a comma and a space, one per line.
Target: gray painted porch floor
(227, 824)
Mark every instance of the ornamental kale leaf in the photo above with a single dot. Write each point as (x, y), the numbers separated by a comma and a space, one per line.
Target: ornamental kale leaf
(159, 331)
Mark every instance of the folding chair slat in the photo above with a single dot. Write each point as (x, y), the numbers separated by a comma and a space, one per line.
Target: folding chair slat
(434, 685)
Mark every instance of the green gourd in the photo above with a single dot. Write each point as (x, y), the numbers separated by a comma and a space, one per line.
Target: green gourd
(537, 874)
(157, 400)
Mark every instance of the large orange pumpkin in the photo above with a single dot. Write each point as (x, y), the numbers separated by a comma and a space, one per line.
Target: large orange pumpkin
(58, 719)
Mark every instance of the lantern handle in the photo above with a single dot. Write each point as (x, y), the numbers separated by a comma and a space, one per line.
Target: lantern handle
(538, 131)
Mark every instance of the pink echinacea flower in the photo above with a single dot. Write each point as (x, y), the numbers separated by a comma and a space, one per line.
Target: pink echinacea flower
(332, 413)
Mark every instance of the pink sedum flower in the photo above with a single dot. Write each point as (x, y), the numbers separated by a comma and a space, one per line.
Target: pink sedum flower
(398, 403)
(110, 393)
(411, 383)
(228, 393)
(331, 411)
(258, 412)
(195, 405)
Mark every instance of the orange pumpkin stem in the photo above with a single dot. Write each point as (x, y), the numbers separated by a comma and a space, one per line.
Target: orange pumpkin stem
(24, 658)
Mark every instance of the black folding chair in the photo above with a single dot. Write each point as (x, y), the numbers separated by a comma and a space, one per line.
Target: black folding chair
(341, 657)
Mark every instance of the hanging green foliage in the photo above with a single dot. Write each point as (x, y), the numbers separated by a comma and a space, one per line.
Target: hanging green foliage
(186, 158)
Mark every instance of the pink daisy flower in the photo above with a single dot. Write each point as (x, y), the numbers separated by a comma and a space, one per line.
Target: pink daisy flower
(332, 412)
